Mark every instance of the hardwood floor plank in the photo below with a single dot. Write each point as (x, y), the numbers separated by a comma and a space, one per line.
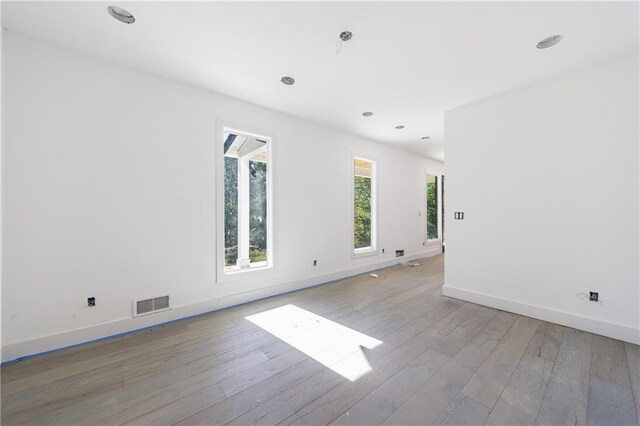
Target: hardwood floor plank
(633, 362)
(75, 355)
(384, 400)
(443, 387)
(546, 342)
(521, 398)
(28, 404)
(610, 404)
(258, 373)
(463, 411)
(609, 361)
(459, 336)
(486, 385)
(139, 402)
(565, 399)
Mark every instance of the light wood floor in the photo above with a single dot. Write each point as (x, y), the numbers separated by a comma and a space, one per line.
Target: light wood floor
(442, 361)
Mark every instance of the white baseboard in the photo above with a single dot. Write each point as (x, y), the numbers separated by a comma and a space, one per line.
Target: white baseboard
(579, 322)
(106, 330)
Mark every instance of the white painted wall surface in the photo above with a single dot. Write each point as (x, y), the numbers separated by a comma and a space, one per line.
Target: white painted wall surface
(109, 191)
(547, 177)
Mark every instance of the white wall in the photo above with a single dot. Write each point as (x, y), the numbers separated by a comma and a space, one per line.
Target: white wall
(109, 191)
(547, 177)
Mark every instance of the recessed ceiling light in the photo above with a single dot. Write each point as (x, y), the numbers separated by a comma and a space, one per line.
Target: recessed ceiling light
(367, 114)
(287, 80)
(549, 41)
(424, 138)
(346, 35)
(121, 14)
(400, 127)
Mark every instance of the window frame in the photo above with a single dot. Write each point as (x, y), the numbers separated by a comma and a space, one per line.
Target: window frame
(222, 274)
(373, 249)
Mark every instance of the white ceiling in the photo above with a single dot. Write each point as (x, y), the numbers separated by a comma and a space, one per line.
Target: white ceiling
(407, 62)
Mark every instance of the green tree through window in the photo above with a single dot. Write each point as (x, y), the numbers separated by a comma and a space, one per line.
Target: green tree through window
(230, 210)
(432, 207)
(258, 211)
(362, 212)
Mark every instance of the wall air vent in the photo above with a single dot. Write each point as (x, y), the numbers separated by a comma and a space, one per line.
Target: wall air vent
(150, 306)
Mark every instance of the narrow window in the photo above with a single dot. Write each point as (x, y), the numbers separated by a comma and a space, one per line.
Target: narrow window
(442, 207)
(364, 205)
(246, 201)
(432, 207)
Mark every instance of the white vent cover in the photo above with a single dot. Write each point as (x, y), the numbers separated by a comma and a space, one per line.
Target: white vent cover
(149, 306)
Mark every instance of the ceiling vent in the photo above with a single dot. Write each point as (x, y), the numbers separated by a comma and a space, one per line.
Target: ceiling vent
(150, 306)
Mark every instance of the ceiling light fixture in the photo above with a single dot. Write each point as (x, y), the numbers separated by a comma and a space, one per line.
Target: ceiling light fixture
(287, 80)
(121, 14)
(549, 41)
(424, 138)
(346, 35)
(399, 127)
(343, 36)
(367, 114)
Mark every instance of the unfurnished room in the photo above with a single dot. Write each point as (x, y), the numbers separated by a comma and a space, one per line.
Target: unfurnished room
(314, 213)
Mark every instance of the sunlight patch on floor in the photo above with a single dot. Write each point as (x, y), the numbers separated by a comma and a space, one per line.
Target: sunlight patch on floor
(331, 344)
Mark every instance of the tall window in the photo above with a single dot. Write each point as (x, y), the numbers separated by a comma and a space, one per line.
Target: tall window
(432, 207)
(442, 206)
(246, 202)
(364, 205)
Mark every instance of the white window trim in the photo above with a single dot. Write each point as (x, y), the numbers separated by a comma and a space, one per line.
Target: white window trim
(373, 250)
(224, 276)
(433, 241)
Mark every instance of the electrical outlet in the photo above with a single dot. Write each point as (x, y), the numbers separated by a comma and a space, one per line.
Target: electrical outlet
(91, 301)
(315, 262)
(382, 251)
(458, 215)
(593, 296)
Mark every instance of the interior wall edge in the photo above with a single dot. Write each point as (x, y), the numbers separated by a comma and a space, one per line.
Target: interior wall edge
(45, 344)
(604, 328)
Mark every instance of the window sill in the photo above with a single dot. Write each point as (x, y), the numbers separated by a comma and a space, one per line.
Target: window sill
(432, 242)
(257, 266)
(364, 252)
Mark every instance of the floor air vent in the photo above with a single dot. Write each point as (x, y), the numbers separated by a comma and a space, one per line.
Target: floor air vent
(149, 306)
